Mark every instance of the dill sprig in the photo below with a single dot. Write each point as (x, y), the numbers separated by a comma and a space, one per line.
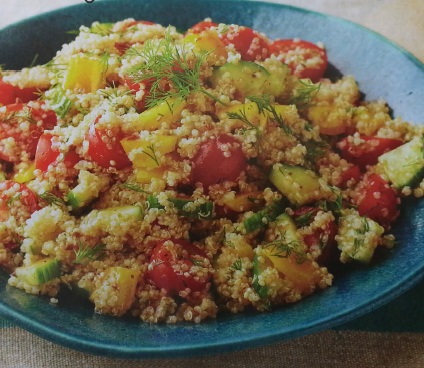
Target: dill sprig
(304, 93)
(85, 253)
(359, 240)
(163, 61)
(237, 265)
(243, 118)
(151, 152)
(50, 198)
(283, 248)
(134, 187)
(13, 199)
(265, 104)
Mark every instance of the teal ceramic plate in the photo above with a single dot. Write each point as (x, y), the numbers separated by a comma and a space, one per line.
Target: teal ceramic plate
(382, 69)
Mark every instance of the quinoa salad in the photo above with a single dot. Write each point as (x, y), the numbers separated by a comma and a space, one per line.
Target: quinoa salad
(175, 175)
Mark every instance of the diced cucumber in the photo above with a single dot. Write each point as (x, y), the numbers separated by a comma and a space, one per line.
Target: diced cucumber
(258, 268)
(121, 213)
(250, 79)
(39, 272)
(404, 166)
(260, 220)
(186, 207)
(358, 236)
(124, 283)
(89, 187)
(298, 184)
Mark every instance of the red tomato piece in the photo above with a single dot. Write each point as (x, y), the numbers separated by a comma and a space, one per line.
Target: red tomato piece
(136, 87)
(377, 200)
(304, 58)
(218, 160)
(23, 125)
(7, 93)
(47, 154)
(104, 148)
(304, 215)
(171, 267)
(325, 239)
(367, 151)
(352, 174)
(10, 94)
(27, 94)
(201, 26)
(17, 197)
(251, 45)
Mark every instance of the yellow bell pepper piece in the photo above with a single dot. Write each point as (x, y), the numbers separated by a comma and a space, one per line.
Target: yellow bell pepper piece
(292, 264)
(248, 110)
(243, 202)
(207, 42)
(146, 153)
(85, 73)
(151, 119)
(124, 283)
(145, 176)
(25, 175)
(328, 118)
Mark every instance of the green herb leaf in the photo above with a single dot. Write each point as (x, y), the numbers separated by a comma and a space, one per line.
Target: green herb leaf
(85, 253)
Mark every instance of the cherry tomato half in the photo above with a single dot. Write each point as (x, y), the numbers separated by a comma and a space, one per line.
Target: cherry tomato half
(17, 197)
(304, 58)
(47, 154)
(368, 151)
(104, 147)
(24, 125)
(171, 267)
(10, 94)
(218, 160)
(325, 239)
(251, 45)
(201, 26)
(377, 200)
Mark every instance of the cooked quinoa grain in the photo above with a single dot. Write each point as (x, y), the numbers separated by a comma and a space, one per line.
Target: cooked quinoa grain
(175, 176)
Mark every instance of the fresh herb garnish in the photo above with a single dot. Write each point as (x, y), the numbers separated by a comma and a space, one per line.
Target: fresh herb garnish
(50, 198)
(283, 248)
(266, 105)
(237, 265)
(134, 187)
(304, 93)
(163, 62)
(85, 253)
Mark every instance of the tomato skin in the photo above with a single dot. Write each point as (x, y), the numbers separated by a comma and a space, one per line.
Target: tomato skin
(26, 140)
(103, 152)
(325, 239)
(47, 154)
(7, 93)
(210, 164)
(248, 42)
(296, 53)
(201, 26)
(165, 267)
(27, 198)
(10, 94)
(367, 152)
(353, 173)
(377, 200)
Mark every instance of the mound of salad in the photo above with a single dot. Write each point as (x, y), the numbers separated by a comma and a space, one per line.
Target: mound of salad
(172, 176)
